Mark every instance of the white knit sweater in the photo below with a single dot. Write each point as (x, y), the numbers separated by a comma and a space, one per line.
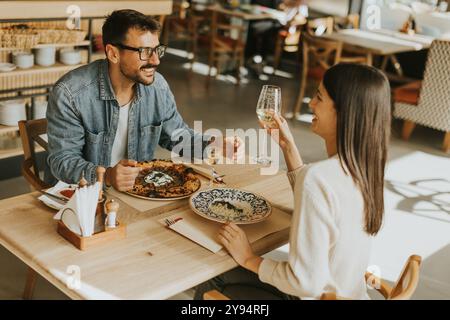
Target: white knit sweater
(329, 249)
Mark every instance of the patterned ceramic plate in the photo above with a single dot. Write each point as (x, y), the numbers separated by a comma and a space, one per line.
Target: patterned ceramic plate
(226, 204)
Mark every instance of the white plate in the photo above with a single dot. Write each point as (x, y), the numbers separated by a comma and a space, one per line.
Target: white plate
(7, 67)
(49, 202)
(250, 207)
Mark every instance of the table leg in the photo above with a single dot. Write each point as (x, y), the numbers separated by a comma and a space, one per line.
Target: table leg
(384, 63)
(397, 66)
(30, 284)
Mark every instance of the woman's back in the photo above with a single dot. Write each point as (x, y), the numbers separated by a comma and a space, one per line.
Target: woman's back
(329, 247)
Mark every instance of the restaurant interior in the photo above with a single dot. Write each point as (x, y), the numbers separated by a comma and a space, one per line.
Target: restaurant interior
(220, 55)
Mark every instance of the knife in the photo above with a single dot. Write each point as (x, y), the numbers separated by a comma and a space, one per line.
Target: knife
(205, 172)
(58, 199)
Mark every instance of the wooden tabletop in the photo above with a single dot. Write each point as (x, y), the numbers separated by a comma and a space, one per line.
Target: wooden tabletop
(125, 269)
(379, 42)
(240, 13)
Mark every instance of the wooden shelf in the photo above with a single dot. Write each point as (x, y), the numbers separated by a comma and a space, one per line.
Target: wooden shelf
(97, 56)
(56, 45)
(38, 69)
(6, 129)
(8, 153)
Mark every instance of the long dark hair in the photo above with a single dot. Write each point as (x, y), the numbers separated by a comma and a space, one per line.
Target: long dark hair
(362, 99)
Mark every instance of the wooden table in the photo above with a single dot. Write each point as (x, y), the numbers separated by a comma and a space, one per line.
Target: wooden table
(125, 269)
(241, 14)
(381, 42)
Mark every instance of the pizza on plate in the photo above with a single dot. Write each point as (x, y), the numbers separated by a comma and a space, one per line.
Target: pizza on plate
(164, 179)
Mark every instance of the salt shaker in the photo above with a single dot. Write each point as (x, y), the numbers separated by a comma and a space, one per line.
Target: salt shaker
(112, 207)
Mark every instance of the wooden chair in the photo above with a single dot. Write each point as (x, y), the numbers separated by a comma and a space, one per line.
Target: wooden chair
(30, 132)
(288, 38)
(223, 47)
(318, 54)
(320, 26)
(402, 290)
(427, 102)
(349, 22)
(352, 54)
(183, 25)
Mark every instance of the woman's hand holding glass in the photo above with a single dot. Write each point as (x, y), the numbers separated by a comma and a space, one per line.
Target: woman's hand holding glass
(281, 133)
(284, 136)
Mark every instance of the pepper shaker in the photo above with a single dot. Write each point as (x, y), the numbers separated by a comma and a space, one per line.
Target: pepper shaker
(112, 207)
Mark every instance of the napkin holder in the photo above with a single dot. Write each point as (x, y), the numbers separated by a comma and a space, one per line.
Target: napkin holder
(102, 237)
(105, 234)
(97, 239)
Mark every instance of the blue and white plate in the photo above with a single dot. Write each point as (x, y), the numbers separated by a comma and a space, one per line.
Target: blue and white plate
(234, 205)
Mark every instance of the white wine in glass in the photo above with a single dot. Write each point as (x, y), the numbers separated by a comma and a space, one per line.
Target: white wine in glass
(269, 103)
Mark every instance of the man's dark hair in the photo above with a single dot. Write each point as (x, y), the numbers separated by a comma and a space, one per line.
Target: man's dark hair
(119, 22)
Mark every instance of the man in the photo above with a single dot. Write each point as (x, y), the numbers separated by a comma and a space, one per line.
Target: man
(115, 111)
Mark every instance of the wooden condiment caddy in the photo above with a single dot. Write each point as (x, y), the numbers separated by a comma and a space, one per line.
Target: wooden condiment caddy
(104, 209)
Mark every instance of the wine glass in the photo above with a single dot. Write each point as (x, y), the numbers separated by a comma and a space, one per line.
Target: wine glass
(269, 103)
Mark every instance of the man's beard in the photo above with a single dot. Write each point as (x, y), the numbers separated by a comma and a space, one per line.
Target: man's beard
(137, 77)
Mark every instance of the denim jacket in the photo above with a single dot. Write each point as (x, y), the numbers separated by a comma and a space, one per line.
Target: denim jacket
(83, 116)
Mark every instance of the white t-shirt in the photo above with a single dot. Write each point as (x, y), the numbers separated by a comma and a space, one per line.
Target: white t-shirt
(119, 149)
(329, 249)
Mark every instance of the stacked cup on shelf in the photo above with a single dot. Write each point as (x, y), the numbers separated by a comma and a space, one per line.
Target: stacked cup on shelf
(11, 112)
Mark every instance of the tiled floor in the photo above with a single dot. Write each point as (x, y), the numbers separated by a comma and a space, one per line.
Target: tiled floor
(415, 222)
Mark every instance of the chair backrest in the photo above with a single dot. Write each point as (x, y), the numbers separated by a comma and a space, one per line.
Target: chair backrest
(351, 21)
(30, 133)
(434, 99)
(408, 280)
(320, 26)
(403, 289)
(320, 51)
(223, 30)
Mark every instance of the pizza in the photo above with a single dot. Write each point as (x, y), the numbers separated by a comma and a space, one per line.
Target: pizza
(163, 179)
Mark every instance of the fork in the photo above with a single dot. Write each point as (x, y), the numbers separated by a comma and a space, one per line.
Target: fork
(170, 222)
(216, 177)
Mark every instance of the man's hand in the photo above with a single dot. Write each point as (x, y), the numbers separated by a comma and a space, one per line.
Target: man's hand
(229, 147)
(122, 175)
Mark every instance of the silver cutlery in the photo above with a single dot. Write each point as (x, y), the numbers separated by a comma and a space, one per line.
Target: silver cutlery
(58, 199)
(170, 222)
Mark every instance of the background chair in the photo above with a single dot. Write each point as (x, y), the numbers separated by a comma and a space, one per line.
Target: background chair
(226, 44)
(30, 133)
(288, 38)
(318, 54)
(183, 25)
(320, 26)
(402, 290)
(427, 102)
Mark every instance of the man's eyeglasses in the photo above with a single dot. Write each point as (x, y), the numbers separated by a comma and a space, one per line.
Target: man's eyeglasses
(145, 52)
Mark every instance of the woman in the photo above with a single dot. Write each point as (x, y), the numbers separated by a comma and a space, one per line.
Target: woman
(338, 202)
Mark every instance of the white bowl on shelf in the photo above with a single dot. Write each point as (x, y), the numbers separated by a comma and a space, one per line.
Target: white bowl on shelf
(70, 56)
(11, 112)
(7, 67)
(23, 60)
(46, 56)
(40, 109)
